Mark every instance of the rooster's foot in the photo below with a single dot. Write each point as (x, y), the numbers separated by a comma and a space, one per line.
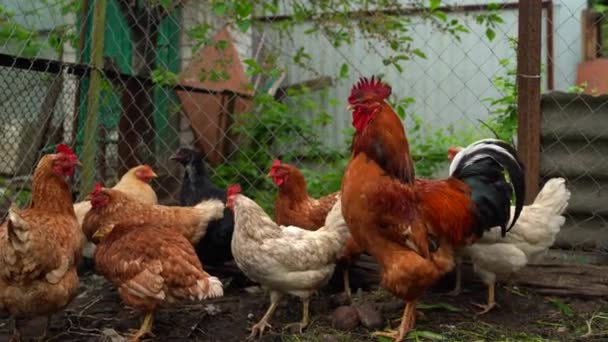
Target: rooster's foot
(395, 335)
(258, 329)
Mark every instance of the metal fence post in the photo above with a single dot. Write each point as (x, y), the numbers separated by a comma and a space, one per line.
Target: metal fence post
(528, 86)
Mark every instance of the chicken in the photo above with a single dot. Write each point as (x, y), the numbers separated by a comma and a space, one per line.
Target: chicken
(214, 248)
(152, 266)
(410, 226)
(135, 183)
(295, 207)
(284, 259)
(111, 207)
(534, 233)
(40, 246)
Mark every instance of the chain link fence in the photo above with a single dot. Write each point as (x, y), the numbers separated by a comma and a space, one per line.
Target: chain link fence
(245, 83)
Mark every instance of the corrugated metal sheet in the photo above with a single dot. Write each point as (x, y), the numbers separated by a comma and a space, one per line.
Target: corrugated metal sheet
(575, 146)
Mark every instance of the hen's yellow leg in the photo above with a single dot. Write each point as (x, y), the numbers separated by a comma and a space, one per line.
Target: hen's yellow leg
(260, 326)
(305, 316)
(346, 277)
(408, 321)
(491, 300)
(145, 329)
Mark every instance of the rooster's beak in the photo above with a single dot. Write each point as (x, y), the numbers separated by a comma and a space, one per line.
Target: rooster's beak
(269, 174)
(349, 107)
(98, 235)
(78, 163)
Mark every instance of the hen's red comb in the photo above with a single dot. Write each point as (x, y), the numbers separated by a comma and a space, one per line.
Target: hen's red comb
(370, 88)
(275, 163)
(97, 188)
(234, 189)
(62, 148)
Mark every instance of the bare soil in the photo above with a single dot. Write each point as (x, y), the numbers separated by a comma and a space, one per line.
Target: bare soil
(523, 316)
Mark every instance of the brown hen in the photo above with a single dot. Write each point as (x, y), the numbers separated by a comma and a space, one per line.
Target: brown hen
(152, 266)
(40, 246)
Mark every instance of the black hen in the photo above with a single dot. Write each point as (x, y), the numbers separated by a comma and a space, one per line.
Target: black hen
(214, 249)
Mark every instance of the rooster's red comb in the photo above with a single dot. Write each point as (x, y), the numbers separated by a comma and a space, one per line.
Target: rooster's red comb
(65, 149)
(275, 163)
(369, 89)
(234, 189)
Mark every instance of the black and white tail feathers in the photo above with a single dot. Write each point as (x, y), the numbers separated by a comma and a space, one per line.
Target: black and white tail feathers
(481, 166)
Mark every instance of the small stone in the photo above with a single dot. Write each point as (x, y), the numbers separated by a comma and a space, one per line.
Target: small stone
(345, 318)
(562, 330)
(253, 289)
(370, 317)
(250, 316)
(340, 299)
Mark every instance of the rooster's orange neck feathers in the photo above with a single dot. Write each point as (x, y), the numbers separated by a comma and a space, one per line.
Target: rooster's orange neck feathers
(374, 119)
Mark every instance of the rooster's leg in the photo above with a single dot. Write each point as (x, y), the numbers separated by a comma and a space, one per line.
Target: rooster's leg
(491, 300)
(16, 337)
(145, 329)
(305, 317)
(458, 284)
(346, 277)
(260, 326)
(408, 321)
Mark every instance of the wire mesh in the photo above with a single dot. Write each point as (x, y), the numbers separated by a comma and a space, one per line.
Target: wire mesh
(245, 83)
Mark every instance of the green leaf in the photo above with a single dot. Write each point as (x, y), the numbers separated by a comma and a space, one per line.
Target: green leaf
(490, 34)
(438, 306)
(343, 71)
(243, 24)
(441, 15)
(565, 309)
(417, 334)
(219, 9)
(434, 4)
(419, 53)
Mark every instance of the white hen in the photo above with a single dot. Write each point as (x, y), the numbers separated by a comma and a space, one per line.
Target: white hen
(284, 259)
(495, 257)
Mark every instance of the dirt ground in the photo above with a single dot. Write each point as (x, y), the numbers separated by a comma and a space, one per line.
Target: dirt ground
(523, 316)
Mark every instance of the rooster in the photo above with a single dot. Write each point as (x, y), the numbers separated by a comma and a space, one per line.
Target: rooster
(534, 233)
(411, 226)
(284, 259)
(40, 246)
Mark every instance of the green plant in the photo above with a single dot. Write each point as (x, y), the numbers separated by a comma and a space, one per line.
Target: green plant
(503, 113)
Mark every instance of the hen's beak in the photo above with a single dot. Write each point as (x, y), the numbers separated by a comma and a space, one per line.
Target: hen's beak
(77, 163)
(269, 174)
(153, 175)
(350, 107)
(98, 235)
(88, 197)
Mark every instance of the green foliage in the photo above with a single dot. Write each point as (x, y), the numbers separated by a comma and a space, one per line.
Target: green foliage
(271, 130)
(503, 115)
